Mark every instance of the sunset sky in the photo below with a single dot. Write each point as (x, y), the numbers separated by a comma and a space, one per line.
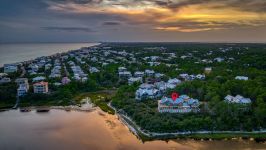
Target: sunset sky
(133, 20)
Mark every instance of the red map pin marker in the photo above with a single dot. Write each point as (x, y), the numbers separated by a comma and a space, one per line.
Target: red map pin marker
(174, 96)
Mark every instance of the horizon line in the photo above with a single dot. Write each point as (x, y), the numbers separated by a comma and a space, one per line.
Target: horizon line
(200, 42)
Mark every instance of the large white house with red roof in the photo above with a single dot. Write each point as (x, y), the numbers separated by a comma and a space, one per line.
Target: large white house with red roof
(183, 104)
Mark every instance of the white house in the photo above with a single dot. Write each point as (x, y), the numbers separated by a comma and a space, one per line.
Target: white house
(146, 58)
(23, 81)
(22, 90)
(172, 83)
(192, 77)
(219, 59)
(3, 75)
(106, 53)
(183, 57)
(94, 70)
(78, 71)
(237, 99)
(94, 59)
(84, 79)
(139, 74)
(5, 80)
(123, 53)
(57, 84)
(208, 70)
(47, 66)
(152, 63)
(161, 86)
(200, 76)
(154, 58)
(39, 78)
(104, 64)
(132, 80)
(125, 74)
(122, 69)
(55, 72)
(147, 91)
(184, 75)
(34, 67)
(10, 68)
(71, 63)
(76, 77)
(158, 75)
(149, 72)
(241, 78)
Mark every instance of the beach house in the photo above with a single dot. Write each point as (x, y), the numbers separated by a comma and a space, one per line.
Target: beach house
(5, 80)
(172, 83)
(241, 78)
(23, 81)
(139, 74)
(40, 87)
(149, 73)
(10, 68)
(238, 99)
(132, 80)
(22, 90)
(147, 91)
(183, 104)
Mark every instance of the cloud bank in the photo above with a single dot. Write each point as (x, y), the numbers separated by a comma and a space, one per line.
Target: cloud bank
(156, 20)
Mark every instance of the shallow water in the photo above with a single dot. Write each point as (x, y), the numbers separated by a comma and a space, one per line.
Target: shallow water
(59, 129)
(17, 52)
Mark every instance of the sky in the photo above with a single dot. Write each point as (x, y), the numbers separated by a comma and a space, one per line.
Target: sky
(132, 20)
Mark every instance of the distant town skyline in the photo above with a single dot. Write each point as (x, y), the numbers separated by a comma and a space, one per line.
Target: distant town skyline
(133, 21)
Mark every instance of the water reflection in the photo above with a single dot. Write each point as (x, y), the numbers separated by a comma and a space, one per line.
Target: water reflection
(59, 129)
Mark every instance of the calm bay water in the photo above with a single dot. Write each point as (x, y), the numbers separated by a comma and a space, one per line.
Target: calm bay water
(94, 130)
(17, 52)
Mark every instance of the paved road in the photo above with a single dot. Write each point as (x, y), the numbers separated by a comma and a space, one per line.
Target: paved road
(66, 72)
(23, 71)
